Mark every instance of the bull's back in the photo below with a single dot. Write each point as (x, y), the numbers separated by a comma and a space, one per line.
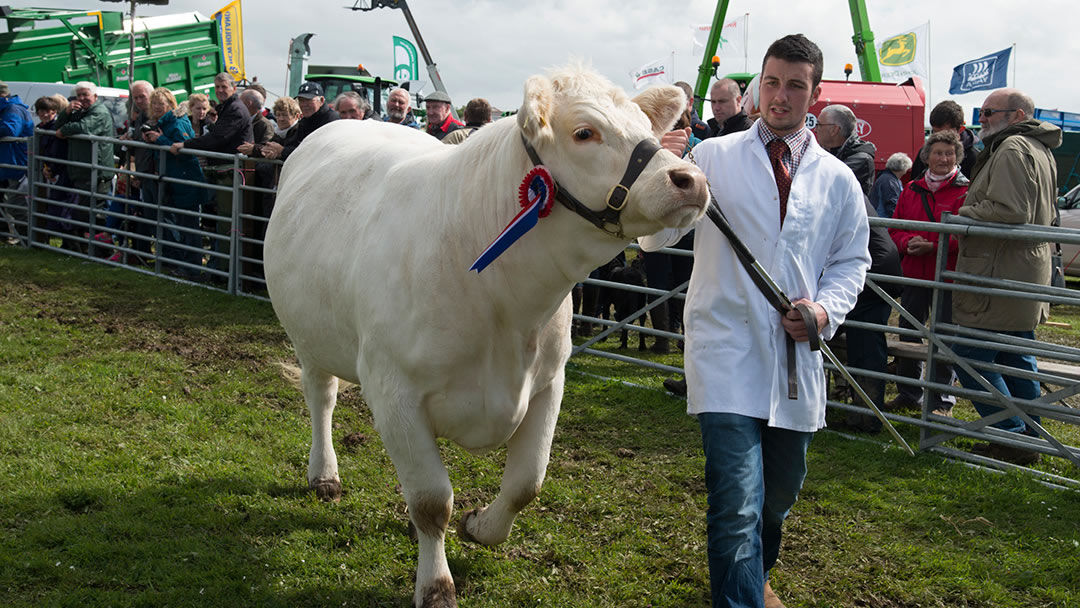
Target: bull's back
(330, 233)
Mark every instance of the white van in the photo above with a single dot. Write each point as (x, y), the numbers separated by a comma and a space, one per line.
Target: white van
(115, 100)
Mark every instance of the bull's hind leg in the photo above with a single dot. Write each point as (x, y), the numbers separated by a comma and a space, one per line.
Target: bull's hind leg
(320, 394)
(527, 456)
(430, 497)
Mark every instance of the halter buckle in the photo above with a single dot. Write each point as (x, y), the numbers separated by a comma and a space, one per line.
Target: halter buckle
(623, 194)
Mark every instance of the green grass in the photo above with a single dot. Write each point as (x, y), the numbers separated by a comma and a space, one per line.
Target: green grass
(150, 455)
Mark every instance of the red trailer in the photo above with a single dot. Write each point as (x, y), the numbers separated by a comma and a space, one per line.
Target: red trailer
(891, 116)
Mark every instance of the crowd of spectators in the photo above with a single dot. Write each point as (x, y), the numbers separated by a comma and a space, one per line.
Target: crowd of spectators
(114, 209)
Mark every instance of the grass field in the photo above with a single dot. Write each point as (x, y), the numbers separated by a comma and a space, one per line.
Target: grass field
(150, 455)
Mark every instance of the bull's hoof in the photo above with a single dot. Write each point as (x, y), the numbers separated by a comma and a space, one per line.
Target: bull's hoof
(328, 490)
(463, 526)
(439, 594)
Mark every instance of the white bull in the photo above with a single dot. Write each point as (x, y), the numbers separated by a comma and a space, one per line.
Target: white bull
(367, 257)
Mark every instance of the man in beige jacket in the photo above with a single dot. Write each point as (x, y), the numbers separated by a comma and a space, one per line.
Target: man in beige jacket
(1014, 181)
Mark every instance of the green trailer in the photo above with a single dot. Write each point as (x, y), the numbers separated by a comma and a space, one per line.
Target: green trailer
(181, 52)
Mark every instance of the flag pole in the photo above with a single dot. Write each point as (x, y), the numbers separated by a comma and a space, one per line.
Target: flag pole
(746, 42)
(1014, 64)
(930, 66)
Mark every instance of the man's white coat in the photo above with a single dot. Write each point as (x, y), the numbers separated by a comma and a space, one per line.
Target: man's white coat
(735, 343)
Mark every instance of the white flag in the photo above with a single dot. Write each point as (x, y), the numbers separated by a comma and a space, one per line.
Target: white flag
(905, 55)
(731, 37)
(654, 72)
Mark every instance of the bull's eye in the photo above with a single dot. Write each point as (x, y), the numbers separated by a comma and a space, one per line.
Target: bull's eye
(583, 134)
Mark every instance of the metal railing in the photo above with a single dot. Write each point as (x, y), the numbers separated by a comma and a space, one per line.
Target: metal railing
(935, 430)
(93, 220)
(235, 265)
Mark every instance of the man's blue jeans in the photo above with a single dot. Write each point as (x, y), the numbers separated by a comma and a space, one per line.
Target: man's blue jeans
(753, 474)
(1021, 388)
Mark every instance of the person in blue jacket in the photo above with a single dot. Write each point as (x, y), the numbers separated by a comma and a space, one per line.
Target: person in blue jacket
(183, 200)
(15, 121)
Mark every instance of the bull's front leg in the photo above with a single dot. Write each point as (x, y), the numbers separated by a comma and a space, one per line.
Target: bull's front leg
(429, 496)
(528, 451)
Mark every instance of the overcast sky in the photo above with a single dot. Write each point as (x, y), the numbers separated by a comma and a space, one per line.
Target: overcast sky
(487, 48)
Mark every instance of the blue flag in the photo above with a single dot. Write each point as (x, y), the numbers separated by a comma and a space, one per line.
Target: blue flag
(981, 74)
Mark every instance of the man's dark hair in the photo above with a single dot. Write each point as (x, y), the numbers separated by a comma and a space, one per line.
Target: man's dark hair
(947, 114)
(477, 111)
(796, 48)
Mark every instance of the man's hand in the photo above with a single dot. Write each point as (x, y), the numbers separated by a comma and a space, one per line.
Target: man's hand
(793, 321)
(676, 141)
(272, 150)
(245, 148)
(175, 148)
(917, 245)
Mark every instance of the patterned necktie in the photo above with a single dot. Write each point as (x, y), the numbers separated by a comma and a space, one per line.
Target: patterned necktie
(776, 149)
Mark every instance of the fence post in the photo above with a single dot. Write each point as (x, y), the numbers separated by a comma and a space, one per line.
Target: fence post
(91, 247)
(234, 227)
(159, 185)
(31, 183)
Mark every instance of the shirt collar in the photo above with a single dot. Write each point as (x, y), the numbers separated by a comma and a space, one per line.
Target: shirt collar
(796, 140)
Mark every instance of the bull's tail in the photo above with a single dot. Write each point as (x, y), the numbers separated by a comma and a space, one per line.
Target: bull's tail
(292, 373)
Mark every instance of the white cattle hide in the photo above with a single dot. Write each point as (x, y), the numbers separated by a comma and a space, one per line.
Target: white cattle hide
(366, 260)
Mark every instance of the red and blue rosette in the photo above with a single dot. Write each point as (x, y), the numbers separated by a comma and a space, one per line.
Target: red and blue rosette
(536, 195)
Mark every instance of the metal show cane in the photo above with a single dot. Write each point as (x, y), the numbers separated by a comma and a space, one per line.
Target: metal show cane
(771, 290)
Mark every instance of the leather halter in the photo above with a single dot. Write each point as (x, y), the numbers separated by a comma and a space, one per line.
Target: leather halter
(607, 219)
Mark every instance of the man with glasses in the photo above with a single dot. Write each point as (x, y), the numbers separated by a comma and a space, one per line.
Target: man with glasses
(1014, 181)
(835, 131)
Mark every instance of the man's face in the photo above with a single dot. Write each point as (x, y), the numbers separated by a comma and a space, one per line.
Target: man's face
(348, 109)
(140, 96)
(725, 102)
(85, 98)
(787, 92)
(437, 111)
(397, 105)
(828, 132)
(997, 120)
(223, 90)
(310, 106)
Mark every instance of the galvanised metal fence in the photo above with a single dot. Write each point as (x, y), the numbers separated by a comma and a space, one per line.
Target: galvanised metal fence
(230, 259)
(97, 220)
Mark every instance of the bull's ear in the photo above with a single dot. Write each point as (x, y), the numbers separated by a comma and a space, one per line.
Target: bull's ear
(663, 106)
(534, 117)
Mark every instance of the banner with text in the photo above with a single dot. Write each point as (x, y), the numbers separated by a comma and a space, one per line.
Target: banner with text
(231, 31)
(731, 37)
(980, 74)
(406, 66)
(654, 72)
(905, 55)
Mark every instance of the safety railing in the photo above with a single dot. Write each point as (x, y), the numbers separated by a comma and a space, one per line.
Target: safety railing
(1059, 364)
(217, 242)
(145, 234)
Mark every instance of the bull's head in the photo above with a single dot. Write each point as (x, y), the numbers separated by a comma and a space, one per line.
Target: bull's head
(587, 131)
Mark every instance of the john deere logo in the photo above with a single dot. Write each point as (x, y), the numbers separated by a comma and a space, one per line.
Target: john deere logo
(898, 50)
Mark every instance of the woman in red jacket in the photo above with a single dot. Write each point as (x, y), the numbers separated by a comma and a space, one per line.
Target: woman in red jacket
(940, 190)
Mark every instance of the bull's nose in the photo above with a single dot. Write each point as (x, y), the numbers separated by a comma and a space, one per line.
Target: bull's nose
(683, 178)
